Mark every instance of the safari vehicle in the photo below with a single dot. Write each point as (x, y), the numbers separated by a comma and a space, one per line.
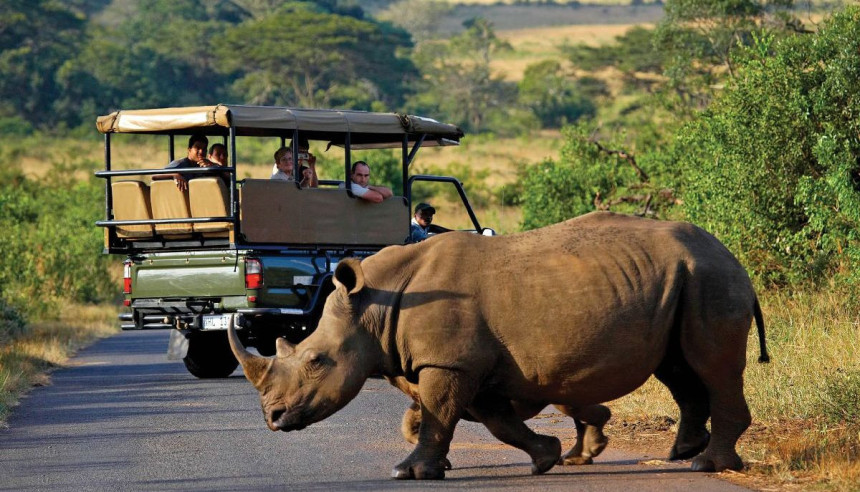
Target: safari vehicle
(258, 251)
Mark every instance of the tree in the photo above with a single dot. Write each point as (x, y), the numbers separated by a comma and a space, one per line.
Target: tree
(596, 172)
(457, 79)
(699, 37)
(161, 55)
(36, 37)
(774, 163)
(314, 59)
(554, 98)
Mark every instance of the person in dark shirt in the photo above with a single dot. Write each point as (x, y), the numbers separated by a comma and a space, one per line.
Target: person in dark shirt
(197, 145)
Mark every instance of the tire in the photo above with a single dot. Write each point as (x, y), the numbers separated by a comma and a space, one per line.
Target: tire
(209, 355)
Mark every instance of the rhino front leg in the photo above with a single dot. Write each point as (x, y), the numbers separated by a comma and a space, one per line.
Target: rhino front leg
(500, 418)
(443, 395)
(411, 424)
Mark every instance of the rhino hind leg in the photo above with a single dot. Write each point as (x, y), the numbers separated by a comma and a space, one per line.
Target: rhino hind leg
(590, 439)
(730, 417)
(506, 424)
(707, 381)
(692, 398)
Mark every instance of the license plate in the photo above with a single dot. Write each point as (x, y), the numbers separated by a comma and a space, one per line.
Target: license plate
(218, 322)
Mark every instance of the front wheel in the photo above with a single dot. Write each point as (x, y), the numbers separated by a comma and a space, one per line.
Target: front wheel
(209, 355)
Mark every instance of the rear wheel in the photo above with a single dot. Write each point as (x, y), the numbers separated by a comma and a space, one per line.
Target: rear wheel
(209, 355)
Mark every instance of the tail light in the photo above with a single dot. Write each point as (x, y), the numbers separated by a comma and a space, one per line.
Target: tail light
(253, 273)
(126, 277)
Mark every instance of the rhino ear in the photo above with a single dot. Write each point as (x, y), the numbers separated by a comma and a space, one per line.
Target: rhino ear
(349, 275)
(283, 348)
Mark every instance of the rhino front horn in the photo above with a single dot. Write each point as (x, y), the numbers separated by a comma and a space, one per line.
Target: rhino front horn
(255, 366)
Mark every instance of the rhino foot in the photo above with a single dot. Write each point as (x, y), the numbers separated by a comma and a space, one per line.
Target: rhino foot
(419, 471)
(575, 460)
(545, 454)
(685, 451)
(706, 463)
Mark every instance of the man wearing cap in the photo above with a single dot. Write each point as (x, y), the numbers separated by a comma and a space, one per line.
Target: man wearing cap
(421, 221)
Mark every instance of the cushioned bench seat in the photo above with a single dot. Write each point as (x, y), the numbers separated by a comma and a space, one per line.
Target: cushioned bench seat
(131, 201)
(168, 202)
(209, 198)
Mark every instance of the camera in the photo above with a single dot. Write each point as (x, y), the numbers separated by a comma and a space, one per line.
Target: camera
(303, 156)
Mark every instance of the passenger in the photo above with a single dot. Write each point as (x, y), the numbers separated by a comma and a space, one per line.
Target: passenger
(197, 145)
(421, 220)
(217, 155)
(309, 162)
(361, 188)
(217, 158)
(307, 176)
(283, 168)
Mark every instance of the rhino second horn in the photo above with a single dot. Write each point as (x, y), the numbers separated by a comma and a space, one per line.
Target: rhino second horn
(255, 366)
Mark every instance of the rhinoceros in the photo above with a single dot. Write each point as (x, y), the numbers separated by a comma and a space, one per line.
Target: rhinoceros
(573, 314)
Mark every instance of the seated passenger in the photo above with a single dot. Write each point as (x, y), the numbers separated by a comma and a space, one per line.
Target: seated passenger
(361, 188)
(217, 156)
(283, 168)
(307, 176)
(197, 145)
(284, 165)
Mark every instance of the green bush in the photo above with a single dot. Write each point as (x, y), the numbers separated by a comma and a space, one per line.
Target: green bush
(774, 163)
(51, 251)
(586, 176)
(12, 323)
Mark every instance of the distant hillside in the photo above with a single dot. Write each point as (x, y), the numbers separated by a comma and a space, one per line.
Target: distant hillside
(507, 17)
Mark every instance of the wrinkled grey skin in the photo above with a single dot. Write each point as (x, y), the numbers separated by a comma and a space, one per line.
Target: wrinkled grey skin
(574, 314)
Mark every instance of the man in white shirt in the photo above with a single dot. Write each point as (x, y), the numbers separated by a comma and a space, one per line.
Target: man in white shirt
(361, 188)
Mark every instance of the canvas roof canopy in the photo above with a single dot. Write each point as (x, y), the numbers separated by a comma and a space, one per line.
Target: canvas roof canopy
(366, 129)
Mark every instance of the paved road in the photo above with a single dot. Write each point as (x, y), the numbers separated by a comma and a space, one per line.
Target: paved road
(122, 417)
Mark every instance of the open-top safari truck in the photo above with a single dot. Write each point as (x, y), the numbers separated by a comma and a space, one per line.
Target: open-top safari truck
(258, 250)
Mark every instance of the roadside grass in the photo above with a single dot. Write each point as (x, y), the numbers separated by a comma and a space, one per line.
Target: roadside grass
(805, 402)
(27, 359)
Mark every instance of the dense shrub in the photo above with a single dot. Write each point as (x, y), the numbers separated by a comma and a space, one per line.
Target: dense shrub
(591, 175)
(12, 323)
(774, 163)
(51, 251)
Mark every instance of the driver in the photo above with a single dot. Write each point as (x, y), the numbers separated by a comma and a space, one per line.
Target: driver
(421, 221)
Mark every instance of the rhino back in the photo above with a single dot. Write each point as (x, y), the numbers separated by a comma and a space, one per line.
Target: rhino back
(554, 310)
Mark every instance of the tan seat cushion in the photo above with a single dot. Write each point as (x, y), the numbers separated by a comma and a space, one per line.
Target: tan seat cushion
(209, 198)
(168, 202)
(131, 202)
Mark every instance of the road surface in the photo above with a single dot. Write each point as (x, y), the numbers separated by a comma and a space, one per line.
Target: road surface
(122, 417)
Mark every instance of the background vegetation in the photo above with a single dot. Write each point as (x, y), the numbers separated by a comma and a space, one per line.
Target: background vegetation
(738, 115)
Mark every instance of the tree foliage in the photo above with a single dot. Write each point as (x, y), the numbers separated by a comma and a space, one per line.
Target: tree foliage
(36, 38)
(699, 37)
(312, 59)
(774, 163)
(457, 78)
(552, 96)
(595, 172)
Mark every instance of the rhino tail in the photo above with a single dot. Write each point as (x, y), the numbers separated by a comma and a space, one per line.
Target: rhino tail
(762, 343)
